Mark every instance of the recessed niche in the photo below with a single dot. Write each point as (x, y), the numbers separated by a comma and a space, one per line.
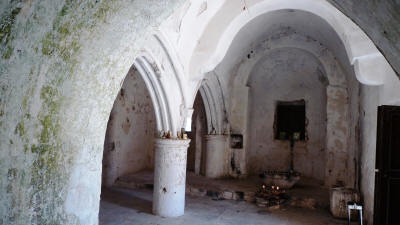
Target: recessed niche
(236, 141)
(290, 120)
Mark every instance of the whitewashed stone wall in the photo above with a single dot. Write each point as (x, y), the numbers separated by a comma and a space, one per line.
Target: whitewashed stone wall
(235, 79)
(128, 146)
(62, 65)
(287, 75)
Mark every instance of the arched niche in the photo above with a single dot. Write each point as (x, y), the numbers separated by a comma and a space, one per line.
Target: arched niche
(340, 141)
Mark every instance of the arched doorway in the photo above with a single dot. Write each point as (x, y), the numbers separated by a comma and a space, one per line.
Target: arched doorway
(147, 154)
(196, 152)
(295, 17)
(129, 144)
(223, 50)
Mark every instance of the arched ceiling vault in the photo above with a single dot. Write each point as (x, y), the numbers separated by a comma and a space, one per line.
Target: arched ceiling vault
(231, 28)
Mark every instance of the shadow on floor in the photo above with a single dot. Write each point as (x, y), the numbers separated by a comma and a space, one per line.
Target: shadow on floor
(126, 199)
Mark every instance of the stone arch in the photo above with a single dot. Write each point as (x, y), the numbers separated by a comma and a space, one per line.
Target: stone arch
(164, 84)
(167, 84)
(291, 39)
(211, 93)
(359, 49)
(336, 92)
(131, 128)
(166, 90)
(211, 112)
(240, 80)
(156, 91)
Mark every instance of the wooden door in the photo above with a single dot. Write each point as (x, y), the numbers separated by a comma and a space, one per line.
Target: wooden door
(387, 176)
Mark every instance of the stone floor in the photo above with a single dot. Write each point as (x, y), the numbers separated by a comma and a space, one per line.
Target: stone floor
(307, 193)
(120, 206)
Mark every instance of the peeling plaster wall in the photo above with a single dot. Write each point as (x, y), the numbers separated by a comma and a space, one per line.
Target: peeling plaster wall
(287, 75)
(354, 135)
(62, 64)
(128, 146)
(341, 93)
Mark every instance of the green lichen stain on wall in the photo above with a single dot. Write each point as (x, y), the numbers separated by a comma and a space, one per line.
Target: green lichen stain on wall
(12, 173)
(48, 175)
(6, 24)
(51, 98)
(48, 45)
(20, 129)
(9, 51)
(41, 47)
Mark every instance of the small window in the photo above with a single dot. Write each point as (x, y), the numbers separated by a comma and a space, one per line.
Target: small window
(236, 141)
(290, 119)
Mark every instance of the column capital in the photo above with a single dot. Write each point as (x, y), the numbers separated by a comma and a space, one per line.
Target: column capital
(215, 136)
(172, 143)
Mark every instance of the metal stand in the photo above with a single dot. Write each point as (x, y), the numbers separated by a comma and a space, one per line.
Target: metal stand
(354, 206)
(291, 153)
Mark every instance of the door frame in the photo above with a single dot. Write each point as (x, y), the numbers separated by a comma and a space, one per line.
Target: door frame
(382, 168)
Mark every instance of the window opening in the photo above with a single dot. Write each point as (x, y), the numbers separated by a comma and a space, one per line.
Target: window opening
(290, 120)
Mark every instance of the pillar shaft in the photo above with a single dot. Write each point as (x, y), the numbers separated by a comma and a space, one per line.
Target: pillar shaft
(169, 177)
(216, 156)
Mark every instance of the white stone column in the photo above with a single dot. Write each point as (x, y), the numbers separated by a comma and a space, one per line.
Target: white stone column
(216, 156)
(169, 177)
